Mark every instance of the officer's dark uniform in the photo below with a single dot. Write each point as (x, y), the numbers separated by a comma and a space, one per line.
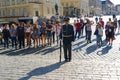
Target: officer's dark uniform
(67, 34)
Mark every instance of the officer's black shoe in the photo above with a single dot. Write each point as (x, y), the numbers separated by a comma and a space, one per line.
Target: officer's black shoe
(66, 60)
(69, 60)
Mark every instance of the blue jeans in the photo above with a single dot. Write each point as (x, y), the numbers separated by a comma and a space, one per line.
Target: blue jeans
(99, 40)
(78, 32)
(89, 33)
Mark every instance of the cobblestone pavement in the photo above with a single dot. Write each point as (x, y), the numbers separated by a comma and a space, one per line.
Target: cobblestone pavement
(88, 63)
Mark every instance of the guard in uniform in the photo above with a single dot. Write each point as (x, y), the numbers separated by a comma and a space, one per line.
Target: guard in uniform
(67, 34)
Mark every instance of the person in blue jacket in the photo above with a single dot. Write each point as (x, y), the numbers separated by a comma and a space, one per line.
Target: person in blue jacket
(67, 34)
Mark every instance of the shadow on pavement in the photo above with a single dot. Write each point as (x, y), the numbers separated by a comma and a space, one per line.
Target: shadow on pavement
(79, 47)
(104, 50)
(48, 50)
(22, 52)
(42, 70)
(91, 49)
(117, 34)
(77, 44)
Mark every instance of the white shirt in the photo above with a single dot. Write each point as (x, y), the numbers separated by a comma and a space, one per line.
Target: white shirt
(28, 29)
(100, 31)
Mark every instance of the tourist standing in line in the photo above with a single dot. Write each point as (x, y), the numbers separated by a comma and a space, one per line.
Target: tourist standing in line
(28, 32)
(119, 25)
(35, 35)
(39, 33)
(99, 34)
(43, 34)
(89, 31)
(6, 36)
(111, 33)
(21, 35)
(13, 36)
(53, 32)
(58, 28)
(49, 33)
(77, 28)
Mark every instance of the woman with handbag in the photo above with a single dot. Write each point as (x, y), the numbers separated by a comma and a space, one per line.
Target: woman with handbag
(99, 34)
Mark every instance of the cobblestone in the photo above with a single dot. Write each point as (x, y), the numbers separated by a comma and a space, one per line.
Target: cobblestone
(43, 64)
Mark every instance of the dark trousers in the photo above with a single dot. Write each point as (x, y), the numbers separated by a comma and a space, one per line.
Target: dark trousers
(78, 32)
(57, 39)
(85, 33)
(14, 42)
(53, 36)
(89, 33)
(67, 51)
(1, 41)
(21, 41)
(6, 42)
(82, 30)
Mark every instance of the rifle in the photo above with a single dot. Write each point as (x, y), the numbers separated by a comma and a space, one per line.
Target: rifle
(60, 49)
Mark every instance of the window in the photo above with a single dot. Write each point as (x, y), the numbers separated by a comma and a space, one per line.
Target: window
(62, 4)
(0, 13)
(67, 4)
(8, 2)
(3, 3)
(47, 1)
(30, 1)
(18, 1)
(36, 13)
(48, 10)
(13, 2)
(52, 10)
(71, 4)
(8, 12)
(3, 12)
(18, 11)
(13, 12)
(24, 12)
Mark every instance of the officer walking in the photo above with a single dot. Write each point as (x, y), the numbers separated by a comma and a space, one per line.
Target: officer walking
(67, 34)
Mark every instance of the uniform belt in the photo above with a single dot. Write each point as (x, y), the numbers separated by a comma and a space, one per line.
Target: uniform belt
(67, 35)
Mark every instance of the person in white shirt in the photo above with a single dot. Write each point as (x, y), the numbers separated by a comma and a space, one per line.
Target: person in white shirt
(28, 32)
(99, 34)
(58, 29)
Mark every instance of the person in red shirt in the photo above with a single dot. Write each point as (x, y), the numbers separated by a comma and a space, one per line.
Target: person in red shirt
(102, 22)
(77, 28)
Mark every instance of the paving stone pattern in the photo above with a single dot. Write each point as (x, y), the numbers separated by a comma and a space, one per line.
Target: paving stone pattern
(88, 63)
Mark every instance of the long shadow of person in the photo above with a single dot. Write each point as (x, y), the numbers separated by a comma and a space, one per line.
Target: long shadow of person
(42, 70)
(91, 49)
(104, 50)
(79, 47)
(117, 34)
(20, 52)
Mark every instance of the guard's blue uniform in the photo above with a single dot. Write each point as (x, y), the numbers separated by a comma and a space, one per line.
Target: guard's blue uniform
(67, 34)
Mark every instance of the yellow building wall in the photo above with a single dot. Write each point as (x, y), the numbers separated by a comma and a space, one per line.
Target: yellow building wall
(83, 5)
(44, 9)
(69, 3)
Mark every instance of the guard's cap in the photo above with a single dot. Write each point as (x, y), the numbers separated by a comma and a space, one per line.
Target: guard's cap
(66, 19)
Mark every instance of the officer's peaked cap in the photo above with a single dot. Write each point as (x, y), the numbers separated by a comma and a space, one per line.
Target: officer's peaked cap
(66, 19)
